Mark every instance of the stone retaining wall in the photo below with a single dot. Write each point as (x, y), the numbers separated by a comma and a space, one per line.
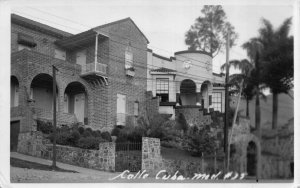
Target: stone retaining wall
(193, 115)
(34, 144)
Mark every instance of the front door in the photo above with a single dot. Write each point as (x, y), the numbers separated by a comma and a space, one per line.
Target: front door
(79, 103)
(14, 135)
(81, 59)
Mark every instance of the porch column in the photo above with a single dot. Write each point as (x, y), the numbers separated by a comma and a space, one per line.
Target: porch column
(178, 101)
(198, 99)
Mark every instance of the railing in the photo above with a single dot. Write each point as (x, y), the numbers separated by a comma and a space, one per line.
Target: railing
(129, 146)
(91, 67)
(121, 118)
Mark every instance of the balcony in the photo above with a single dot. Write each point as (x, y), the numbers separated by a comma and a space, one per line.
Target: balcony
(130, 72)
(95, 73)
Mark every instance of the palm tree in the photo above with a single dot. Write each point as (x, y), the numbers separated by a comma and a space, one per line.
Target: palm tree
(254, 48)
(235, 79)
(278, 61)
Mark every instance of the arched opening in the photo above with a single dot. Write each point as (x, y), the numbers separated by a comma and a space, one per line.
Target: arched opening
(205, 86)
(41, 91)
(75, 101)
(251, 159)
(188, 92)
(14, 91)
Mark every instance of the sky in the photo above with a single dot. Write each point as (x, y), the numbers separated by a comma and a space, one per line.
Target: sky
(163, 22)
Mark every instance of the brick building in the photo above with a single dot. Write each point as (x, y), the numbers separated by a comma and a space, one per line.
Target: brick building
(101, 77)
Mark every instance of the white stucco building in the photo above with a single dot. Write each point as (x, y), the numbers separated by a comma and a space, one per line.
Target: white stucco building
(185, 80)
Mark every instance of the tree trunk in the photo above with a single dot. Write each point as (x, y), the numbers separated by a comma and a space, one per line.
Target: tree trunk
(275, 110)
(257, 113)
(247, 107)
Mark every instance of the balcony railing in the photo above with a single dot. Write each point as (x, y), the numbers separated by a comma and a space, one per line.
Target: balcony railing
(94, 68)
(121, 119)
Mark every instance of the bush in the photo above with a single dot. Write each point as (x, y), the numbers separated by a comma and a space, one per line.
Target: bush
(90, 142)
(200, 140)
(87, 133)
(106, 136)
(80, 130)
(44, 127)
(116, 131)
(182, 124)
(73, 138)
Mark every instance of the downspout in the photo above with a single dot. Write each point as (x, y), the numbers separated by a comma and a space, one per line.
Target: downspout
(96, 51)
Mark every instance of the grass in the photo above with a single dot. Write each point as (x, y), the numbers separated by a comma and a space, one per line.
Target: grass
(32, 165)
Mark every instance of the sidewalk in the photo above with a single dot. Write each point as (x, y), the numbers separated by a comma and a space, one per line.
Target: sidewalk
(32, 175)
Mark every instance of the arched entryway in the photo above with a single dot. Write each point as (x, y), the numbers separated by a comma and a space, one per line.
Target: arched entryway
(14, 91)
(206, 86)
(251, 159)
(188, 92)
(41, 91)
(75, 101)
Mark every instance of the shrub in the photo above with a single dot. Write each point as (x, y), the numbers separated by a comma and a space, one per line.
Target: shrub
(44, 127)
(97, 133)
(200, 140)
(80, 130)
(87, 133)
(62, 138)
(182, 124)
(63, 128)
(90, 142)
(73, 138)
(106, 136)
(116, 131)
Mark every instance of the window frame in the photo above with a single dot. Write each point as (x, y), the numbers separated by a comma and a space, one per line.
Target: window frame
(163, 93)
(217, 104)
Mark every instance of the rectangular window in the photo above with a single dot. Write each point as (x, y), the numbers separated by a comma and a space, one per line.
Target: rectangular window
(128, 57)
(162, 89)
(217, 101)
(136, 109)
(121, 109)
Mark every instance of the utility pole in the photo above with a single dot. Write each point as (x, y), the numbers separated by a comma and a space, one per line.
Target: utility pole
(226, 105)
(54, 69)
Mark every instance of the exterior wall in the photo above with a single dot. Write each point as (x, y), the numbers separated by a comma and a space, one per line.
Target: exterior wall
(45, 43)
(120, 35)
(197, 72)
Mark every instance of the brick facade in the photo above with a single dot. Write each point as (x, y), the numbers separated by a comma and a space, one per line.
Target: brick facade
(101, 98)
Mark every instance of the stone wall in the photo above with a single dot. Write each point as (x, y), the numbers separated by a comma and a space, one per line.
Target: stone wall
(278, 152)
(33, 143)
(193, 115)
(153, 162)
(151, 157)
